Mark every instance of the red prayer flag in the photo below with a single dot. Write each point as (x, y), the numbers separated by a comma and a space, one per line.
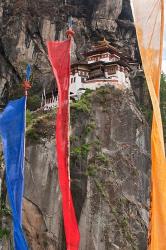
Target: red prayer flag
(59, 56)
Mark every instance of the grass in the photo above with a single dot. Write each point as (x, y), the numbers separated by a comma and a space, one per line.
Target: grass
(89, 128)
(102, 158)
(4, 232)
(102, 190)
(37, 124)
(91, 170)
(32, 134)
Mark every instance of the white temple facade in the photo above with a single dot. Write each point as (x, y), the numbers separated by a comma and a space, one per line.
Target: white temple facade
(104, 65)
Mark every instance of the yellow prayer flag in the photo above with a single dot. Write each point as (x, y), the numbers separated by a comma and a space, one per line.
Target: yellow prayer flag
(149, 22)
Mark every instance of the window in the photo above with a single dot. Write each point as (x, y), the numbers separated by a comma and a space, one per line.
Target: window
(74, 79)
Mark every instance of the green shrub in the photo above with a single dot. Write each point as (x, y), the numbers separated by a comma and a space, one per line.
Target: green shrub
(103, 90)
(91, 170)
(29, 118)
(84, 103)
(4, 233)
(33, 102)
(102, 158)
(32, 134)
(5, 211)
(80, 150)
(91, 126)
(81, 105)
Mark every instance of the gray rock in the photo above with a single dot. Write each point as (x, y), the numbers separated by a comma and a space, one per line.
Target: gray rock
(109, 181)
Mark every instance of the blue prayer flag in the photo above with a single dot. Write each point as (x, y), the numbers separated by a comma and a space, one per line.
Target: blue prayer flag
(12, 131)
(28, 72)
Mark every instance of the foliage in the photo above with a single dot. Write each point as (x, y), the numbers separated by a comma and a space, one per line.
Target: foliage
(35, 89)
(103, 90)
(33, 102)
(30, 123)
(4, 232)
(89, 128)
(29, 118)
(81, 150)
(38, 124)
(101, 188)
(102, 158)
(91, 170)
(73, 139)
(32, 134)
(83, 104)
(4, 210)
(102, 94)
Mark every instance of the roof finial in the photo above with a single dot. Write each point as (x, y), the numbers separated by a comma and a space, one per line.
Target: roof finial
(105, 41)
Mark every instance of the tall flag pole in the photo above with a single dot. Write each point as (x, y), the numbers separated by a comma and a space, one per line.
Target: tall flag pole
(59, 56)
(149, 22)
(12, 131)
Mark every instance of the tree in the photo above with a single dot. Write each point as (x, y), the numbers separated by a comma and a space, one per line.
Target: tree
(33, 102)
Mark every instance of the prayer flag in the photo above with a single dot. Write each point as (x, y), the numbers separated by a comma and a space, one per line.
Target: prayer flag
(149, 22)
(12, 131)
(59, 56)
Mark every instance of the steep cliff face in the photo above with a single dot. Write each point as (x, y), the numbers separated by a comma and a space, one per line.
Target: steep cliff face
(109, 136)
(25, 26)
(109, 175)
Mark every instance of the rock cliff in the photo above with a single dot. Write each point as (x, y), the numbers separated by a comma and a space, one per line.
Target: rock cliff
(110, 160)
(109, 175)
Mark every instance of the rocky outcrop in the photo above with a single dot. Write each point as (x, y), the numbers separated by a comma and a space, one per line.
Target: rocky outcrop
(110, 163)
(42, 205)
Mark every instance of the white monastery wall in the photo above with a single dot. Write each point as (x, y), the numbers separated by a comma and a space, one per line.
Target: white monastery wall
(75, 83)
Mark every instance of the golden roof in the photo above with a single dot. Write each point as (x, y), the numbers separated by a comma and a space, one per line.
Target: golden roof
(102, 44)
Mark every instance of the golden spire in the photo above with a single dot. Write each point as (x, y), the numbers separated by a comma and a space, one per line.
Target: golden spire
(103, 43)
